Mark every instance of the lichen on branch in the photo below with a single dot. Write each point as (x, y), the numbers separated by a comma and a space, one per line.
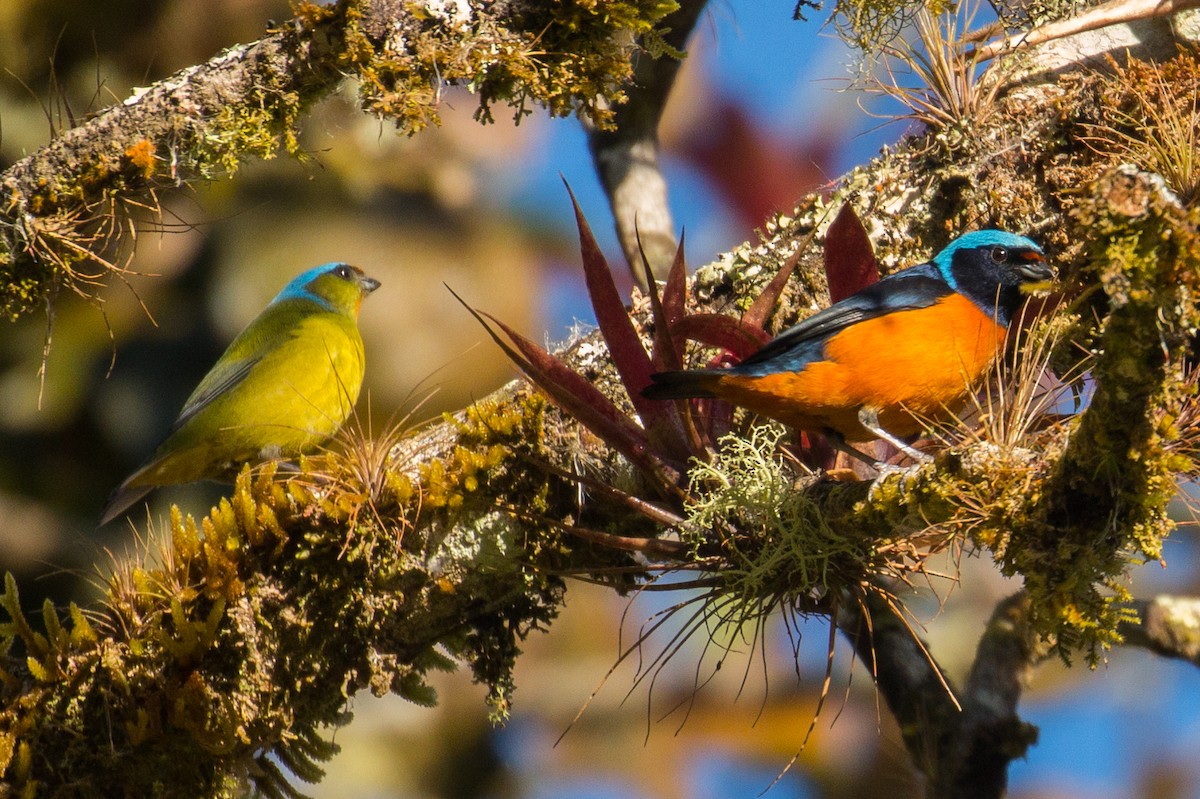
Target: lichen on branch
(240, 646)
(65, 210)
(221, 663)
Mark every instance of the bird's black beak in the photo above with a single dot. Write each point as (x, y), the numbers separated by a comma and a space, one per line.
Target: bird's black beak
(1035, 273)
(368, 284)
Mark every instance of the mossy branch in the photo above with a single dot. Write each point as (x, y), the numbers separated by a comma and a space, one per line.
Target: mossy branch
(964, 738)
(65, 209)
(222, 664)
(1106, 502)
(242, 645)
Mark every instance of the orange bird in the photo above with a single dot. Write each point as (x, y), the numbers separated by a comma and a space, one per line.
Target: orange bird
(902, 349)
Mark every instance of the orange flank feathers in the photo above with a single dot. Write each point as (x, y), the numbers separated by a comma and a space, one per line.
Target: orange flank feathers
(906, 363)
(879, 362)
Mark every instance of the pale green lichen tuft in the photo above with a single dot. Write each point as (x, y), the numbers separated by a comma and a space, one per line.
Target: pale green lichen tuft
(772, 542)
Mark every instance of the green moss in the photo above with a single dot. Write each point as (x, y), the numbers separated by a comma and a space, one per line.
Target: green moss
(240, 647)
(566, 57)
(258, 129)
(489, 434)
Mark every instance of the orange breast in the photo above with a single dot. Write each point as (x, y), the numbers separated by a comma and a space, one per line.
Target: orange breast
(918, 362)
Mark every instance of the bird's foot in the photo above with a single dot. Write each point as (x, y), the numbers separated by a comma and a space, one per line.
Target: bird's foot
(886, 470)
(869, 418)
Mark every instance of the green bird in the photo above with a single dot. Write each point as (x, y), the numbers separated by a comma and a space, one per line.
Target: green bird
(285, 384)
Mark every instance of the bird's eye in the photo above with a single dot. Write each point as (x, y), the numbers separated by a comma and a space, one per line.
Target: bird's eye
(999, 254)
(343, 272)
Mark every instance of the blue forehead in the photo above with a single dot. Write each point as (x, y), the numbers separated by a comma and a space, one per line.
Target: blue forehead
(979, 238)
(297, 289)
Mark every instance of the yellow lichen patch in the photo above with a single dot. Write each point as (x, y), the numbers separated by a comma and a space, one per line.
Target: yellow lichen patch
(238, 133)
(140, 155)
(488, 433)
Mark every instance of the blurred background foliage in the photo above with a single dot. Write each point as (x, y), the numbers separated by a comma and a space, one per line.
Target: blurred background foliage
(752, 125)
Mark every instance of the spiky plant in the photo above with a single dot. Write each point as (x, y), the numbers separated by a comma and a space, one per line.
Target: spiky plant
(1153, 120)
(937, 74)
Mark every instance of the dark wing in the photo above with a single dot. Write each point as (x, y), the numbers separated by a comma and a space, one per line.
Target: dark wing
(221, 379)
(915, 287)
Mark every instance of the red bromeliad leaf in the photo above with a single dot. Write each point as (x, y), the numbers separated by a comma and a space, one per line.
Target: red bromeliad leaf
(725, 332)
(667, 430)
(709, 419)
(624, 344)
(758, 312)
(665, 355)
(577, 396)
(850, 264)
(622, 339)
(674, 297)
(685, 438)
(713, 418)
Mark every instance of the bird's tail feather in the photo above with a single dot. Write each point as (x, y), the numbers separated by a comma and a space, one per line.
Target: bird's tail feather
(122, 499)
(683, 385)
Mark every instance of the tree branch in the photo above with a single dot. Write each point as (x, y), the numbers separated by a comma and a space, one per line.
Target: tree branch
(963, 750)
(626, 154)
(1167, 626)
(1115, 12)
(66, 207)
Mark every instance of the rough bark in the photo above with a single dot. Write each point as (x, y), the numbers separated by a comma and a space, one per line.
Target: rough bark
(626, 155)
(65, 207)
(374, 564)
